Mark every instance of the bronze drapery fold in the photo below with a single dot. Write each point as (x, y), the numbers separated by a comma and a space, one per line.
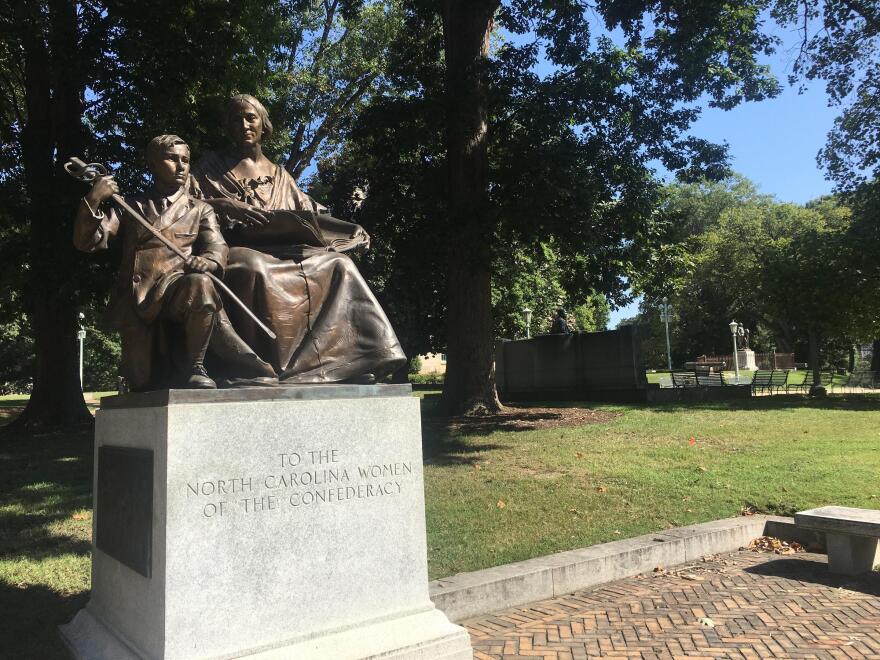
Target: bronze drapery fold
(329, 324)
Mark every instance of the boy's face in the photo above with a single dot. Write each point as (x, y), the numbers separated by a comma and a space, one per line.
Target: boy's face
(171, 169)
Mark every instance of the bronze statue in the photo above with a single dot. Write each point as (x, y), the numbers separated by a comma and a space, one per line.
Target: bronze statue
(560, 323)
(165, 303)
(286, 263)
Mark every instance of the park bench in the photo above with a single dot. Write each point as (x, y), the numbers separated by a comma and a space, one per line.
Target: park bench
(710, 379)
(842, 382)
(826, 380)
(684, 379)
(761, 380)
(778, 380)
(850, 535)
(802, 386)
(862, 380)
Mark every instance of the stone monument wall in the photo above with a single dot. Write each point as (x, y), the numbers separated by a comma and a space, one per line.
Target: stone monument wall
(583, 365)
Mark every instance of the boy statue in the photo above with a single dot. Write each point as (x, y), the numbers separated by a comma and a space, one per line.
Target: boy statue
(158, 294)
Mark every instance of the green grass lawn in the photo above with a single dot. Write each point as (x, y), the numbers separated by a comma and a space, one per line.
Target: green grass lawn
(575, 487)
(492, 497)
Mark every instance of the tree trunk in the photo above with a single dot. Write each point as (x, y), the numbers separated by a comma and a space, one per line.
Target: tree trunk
(470, 376)
(54, 111)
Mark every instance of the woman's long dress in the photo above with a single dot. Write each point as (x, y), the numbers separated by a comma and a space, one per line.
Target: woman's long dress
(328, 323)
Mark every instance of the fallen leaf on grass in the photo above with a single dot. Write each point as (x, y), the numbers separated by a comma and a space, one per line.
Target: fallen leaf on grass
(692, 441)
(700, 468)
(748, 511)
(616, 532)
(574, 511)
(775, 545)
(601, 489)
(707, 622)
(579, 454)
(80, 516)
(500, 504)
(477, 466)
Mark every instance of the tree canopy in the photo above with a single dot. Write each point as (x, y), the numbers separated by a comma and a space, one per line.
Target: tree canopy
(786, 271)
(503, 152)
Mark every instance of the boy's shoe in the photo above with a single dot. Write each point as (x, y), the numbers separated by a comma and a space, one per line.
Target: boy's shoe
(199, 379)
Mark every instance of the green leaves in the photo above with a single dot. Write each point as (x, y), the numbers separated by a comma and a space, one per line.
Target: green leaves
(839, 42)
(782, 269)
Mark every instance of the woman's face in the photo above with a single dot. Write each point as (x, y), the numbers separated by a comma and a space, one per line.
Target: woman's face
(245, 125)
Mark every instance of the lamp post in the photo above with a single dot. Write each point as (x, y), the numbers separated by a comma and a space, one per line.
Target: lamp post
(665, 309)
(527, 317)
(734, 326)
(81, 336)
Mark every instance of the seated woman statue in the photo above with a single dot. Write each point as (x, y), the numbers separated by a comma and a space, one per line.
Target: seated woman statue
(286, 263)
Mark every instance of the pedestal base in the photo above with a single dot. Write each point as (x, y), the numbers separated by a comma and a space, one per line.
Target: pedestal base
(264, 524)
(746, 359)
(425, 636)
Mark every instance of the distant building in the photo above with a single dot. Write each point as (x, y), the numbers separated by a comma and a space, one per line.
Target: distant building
(433, 363)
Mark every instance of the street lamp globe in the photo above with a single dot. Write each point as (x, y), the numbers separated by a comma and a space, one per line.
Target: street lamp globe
(733, 325)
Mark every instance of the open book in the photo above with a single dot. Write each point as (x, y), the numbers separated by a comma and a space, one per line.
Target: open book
(300, 228)
(284, 227)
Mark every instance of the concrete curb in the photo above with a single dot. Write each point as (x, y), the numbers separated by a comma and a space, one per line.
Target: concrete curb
(467, 595)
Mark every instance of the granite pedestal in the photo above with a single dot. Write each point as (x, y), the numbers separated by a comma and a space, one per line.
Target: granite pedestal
(746, 359)
(284, 523)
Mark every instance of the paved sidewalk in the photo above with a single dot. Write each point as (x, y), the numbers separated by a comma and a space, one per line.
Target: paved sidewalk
(739, 605)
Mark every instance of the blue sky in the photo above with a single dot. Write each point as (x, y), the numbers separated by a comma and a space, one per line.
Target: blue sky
(774, 143)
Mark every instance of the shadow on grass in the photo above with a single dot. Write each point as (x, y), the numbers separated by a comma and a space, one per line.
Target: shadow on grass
(443, 449)
(29, 620)
(816, 572)
(42, 482)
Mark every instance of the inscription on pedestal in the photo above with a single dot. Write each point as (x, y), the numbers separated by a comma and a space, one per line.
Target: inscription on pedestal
(299, 479)
(124, 515)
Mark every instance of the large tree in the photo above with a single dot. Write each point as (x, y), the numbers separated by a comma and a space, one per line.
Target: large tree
(48, 48)
(100, 79)
(80, 78)
(625, 104)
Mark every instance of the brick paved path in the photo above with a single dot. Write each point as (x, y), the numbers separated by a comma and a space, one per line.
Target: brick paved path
(741, 605)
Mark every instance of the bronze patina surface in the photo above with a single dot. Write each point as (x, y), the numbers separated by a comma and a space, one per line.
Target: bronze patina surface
(166, 303)
(288, 265)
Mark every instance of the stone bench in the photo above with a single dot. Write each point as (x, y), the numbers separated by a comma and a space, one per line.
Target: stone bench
(850, 535)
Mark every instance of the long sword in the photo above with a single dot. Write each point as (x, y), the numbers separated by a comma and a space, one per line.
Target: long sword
(88, 172)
